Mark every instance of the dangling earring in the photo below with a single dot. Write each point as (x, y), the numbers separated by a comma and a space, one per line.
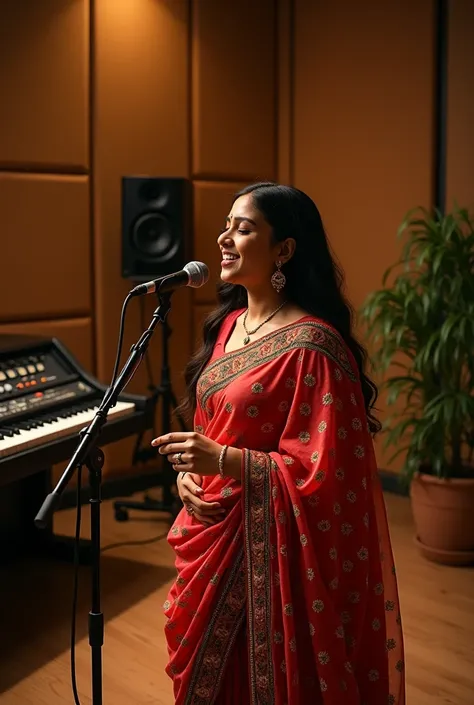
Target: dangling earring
(278, 279)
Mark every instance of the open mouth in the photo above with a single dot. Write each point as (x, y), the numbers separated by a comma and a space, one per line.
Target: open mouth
(228, 260)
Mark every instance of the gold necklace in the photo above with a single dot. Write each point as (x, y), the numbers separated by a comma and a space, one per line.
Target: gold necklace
(252, 332)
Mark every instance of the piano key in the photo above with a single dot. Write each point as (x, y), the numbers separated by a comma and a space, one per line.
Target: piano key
(23, 439)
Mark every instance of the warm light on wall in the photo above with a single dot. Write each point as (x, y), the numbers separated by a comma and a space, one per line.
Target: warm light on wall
(127, 17)
(139, 38)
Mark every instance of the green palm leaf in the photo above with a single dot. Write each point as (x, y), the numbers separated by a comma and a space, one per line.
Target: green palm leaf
(422, 324)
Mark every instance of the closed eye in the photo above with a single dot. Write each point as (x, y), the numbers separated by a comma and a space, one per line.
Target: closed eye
(240, 231)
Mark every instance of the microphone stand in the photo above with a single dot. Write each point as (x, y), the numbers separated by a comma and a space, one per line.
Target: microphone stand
(92, 456)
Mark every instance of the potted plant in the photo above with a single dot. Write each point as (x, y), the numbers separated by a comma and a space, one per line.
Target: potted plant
(421, 324)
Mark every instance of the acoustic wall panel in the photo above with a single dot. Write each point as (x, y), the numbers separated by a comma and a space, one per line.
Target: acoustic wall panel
(234, 90)
(363, 116)
(363, 127)
(44, 84)
(284, 59)
(141, 127)
(45, 244)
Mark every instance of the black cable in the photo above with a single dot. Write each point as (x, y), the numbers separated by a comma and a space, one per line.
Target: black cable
(142, 542)
(138, 452)
(76, 588)
(120, 338)
(151, 383)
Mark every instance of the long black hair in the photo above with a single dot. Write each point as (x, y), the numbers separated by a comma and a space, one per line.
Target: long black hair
(314, 282)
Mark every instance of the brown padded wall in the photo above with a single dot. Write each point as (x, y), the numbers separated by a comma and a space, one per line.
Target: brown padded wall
(44, 84)
(185, 88)
(45, 286)
(234, 96)
(45, 246)
(284, 59)
(141, 125)
(363, 125)
(143, 92)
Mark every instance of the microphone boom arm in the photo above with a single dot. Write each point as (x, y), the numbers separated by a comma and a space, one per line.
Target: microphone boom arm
(92, 432)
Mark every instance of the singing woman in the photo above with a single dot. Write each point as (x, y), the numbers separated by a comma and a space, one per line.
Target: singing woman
(286, 591)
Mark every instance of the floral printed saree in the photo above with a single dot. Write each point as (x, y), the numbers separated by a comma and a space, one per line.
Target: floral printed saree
(291, 599)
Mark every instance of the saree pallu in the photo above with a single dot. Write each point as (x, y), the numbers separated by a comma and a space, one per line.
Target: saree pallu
(292, 599)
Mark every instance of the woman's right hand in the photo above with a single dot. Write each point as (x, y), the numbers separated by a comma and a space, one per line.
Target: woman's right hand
(189, 489)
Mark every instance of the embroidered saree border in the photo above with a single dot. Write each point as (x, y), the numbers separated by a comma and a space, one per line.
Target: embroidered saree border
(257, 545)
(213, 653)
(309, 335)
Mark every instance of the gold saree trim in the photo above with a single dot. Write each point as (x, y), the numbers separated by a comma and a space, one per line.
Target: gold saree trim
(217, 642)
(309, 335)
(257, 499)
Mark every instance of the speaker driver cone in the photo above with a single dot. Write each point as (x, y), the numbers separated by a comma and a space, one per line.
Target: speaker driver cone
(152, 235)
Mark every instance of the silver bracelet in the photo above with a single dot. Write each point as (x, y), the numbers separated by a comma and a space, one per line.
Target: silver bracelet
(222, 460)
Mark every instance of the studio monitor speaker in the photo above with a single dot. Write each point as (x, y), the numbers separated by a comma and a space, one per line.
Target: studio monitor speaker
(156, 226)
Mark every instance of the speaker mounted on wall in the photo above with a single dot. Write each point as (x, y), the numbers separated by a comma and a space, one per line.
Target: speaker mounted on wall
(156, 226)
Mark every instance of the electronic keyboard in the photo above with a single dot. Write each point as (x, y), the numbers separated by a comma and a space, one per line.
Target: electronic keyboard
(46, 398)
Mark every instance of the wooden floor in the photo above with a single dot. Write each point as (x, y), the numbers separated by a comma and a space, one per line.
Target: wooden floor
(35, 608)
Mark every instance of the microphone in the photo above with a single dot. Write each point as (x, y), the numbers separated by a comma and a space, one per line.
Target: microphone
(194, 274)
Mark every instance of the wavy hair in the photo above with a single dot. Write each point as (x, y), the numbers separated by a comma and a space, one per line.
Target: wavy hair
(314, 282)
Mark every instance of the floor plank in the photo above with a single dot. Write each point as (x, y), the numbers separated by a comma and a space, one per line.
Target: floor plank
(35, 616)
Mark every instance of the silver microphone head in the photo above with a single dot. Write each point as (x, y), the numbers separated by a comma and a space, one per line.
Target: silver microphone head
(198, 274)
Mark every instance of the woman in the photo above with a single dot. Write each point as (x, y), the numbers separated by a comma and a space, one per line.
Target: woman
(286, 591)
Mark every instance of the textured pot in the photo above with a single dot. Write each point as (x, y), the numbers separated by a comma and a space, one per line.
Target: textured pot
(443, 512)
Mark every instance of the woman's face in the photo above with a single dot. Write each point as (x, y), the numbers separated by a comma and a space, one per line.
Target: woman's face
(248, 255)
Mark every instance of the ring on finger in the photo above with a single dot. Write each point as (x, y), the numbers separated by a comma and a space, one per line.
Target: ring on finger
(189, 509)
(177, 459)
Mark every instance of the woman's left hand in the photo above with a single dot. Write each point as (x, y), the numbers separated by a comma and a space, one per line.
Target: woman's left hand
(188, 451)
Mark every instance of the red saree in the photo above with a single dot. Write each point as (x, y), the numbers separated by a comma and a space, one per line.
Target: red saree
(292, 598)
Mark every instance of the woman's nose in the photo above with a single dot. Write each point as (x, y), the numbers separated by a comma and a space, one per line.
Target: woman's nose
(224, 239)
